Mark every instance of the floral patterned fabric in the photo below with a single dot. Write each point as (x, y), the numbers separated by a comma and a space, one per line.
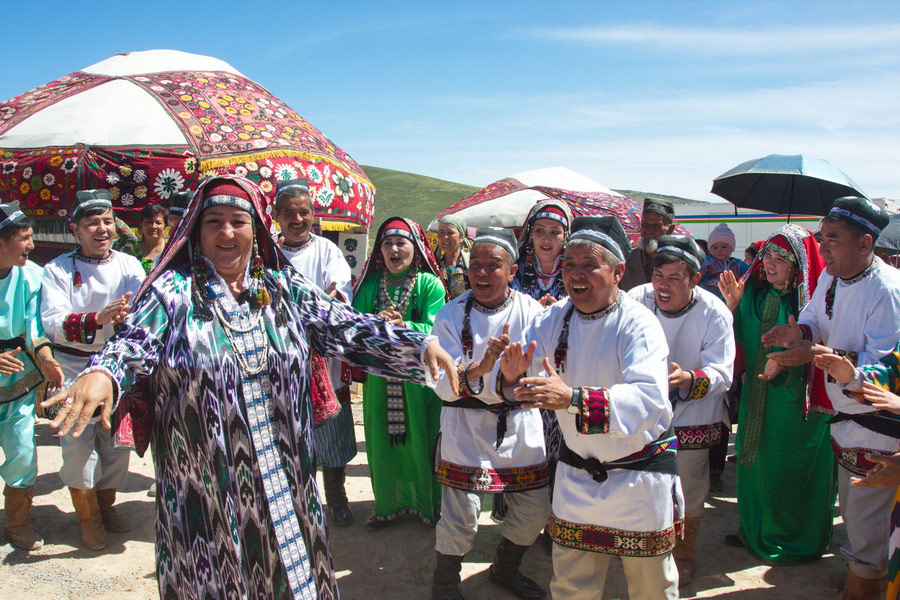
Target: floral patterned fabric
(214, 536)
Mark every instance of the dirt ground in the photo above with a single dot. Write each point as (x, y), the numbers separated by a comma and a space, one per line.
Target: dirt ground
(395, 563)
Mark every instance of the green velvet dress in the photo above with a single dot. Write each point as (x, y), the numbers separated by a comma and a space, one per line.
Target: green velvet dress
(786, 468)
(403, 478)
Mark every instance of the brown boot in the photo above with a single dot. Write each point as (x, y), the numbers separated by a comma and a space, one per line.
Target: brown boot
(112, 520)
(17, 507)
(684, 551)
(88, 512)
(857, 588)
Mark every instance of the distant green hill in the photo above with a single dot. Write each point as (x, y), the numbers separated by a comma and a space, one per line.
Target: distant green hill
(421, 198)
(416, 197)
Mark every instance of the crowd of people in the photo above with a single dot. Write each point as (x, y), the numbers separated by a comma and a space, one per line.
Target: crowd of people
(587, 386)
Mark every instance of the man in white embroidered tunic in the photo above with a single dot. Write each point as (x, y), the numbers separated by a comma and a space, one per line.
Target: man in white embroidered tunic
(487, 445)
(854, 312)
(84, 294)
(616, 488)
(323, 263)
(699, 333)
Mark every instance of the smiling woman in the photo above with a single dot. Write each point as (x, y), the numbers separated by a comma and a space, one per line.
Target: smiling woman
(219, 344)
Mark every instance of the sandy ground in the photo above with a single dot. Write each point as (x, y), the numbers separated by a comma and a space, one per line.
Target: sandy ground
(395, 563)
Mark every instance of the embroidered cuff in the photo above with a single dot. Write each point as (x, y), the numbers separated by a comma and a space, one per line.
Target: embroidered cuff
(81, 327)
(806, 331)
(594, 417)
(699, 386)
(465, 388)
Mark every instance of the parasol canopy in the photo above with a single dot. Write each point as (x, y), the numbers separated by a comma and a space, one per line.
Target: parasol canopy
(785, 185)
(505, 203)
(145, 125)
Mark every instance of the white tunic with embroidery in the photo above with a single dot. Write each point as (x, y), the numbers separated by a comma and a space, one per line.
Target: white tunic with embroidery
(469, 456)
(68, 311)
(620, 355)
(701, 340)
(865, 324)
(322, 262)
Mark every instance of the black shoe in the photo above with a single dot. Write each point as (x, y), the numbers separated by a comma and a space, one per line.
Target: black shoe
(547, 543)
(732, 458)
(374, 524)
(733, 539)
(715, 482)
(341, 516)
(518, 584)
(445, 581)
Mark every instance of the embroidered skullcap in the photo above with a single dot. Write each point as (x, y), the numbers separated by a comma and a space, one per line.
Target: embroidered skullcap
(861, 213)
(179, 202)
(500, 236)
(551, 212)
(226, 193)
(663, 208)
(87, 199)
(10, 215)
(683, 248)
(722, 234)
(297, 185)
(457, 222)
(606, 231)
(397, 227)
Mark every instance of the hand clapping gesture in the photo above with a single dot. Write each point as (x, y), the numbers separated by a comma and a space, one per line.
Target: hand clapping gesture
(116, 311)
(549, 392)
(732, 289)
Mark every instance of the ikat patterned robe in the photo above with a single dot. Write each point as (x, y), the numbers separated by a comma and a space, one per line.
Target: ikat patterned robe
(214, 537)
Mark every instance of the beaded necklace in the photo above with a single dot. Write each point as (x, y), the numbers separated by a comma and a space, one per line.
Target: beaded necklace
(289, 248)
(466, 335)
(562, 347)
(678, 313)
(402, 294)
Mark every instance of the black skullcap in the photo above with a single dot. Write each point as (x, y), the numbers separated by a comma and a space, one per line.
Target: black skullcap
(301, 185)
(664, 208)
(606, 231)
(88, 199)
(500, 236)
(10, 215)
(861, 213)
(179, 202)
(683, 248)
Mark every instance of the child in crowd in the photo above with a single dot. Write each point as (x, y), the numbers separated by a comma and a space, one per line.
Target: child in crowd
(721, 246)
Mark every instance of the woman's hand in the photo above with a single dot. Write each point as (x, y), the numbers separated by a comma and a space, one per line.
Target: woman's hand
(549, 392)
(732, 289)
(771, 370)
(436, 358)
(839, 367)
(9, 364)
(80, 401)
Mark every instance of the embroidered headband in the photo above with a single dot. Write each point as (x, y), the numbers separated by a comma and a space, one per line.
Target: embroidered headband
(860, 221)
(89, 199)
(499, 236)
(681, 253)
(401, 232)
(600, 238)
(224, 200)
(17, 215)
(556, 216)
(300, 185)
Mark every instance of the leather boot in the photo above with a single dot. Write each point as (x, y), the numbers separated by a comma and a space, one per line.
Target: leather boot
(857, 588)
(336, 495)
(684, 551)
(17, 506)
(445, 581)
(505, 571)
(88, 512)
(112, 520)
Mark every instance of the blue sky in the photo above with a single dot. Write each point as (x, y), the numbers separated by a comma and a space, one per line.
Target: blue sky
(654, 96)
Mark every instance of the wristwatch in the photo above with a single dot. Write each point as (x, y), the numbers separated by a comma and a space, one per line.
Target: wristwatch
(577, 401)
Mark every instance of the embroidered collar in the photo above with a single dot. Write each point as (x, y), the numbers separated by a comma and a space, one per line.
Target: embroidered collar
(865, 273)
(92, 261)
(492, 311)
(678, 313)
(303, 246)
(603, 311)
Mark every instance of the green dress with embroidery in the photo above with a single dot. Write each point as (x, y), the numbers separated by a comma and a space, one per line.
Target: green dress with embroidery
(403, 478)
(786, 468)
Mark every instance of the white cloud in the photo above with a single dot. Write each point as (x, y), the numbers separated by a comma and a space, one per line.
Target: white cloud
(772, 41)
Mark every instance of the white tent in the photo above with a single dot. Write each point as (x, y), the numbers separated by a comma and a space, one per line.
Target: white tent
(509, 208)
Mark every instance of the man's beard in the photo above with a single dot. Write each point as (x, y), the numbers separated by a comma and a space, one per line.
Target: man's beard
(648, 245)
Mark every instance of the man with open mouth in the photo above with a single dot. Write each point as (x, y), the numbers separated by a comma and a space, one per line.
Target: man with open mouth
(698, 328)
(85, 294)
